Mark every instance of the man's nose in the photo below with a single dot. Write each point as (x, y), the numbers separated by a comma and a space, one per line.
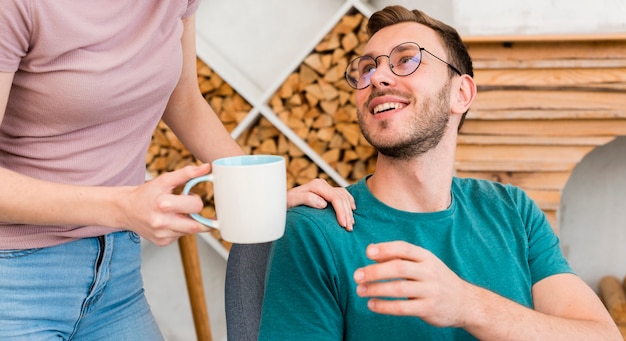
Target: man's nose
(383, 75)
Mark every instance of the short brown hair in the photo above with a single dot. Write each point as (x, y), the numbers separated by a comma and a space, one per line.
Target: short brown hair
(456, 50)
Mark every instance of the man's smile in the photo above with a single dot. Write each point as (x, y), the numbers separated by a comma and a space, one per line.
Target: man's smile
(386, 107)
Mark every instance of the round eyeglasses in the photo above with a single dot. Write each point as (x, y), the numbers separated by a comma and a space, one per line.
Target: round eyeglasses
(404, 59)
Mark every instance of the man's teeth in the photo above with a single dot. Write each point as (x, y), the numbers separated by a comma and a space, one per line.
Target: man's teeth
(387, 106)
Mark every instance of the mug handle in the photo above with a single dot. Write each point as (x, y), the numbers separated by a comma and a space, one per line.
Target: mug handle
(205, 178)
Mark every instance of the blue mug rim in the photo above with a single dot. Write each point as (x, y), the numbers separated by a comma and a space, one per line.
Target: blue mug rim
(248, 160)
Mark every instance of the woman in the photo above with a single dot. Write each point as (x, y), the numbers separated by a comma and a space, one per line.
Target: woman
(82, 87)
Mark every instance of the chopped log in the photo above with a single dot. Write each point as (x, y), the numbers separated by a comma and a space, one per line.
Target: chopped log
(267, 147)
(308, 173)
(326, 134)
(307, 76)
(348, 24)
(330, 107)
(315, 62)
(330, 43)
(328, 91)
(331, 156)
(348, 131)
(287, 89)
(314, 90)
(350, 41)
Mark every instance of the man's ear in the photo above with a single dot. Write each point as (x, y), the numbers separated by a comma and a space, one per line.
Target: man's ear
(463, 94)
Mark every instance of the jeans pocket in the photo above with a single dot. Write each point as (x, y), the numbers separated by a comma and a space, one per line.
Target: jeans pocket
(14, 253)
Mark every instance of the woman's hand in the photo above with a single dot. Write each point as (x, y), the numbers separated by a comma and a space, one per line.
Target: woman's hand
(317, 193)
(154, 212)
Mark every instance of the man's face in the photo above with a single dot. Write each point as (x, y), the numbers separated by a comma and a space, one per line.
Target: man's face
(404, 117)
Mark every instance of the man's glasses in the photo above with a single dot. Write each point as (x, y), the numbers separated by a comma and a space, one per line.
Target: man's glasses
(404, 59)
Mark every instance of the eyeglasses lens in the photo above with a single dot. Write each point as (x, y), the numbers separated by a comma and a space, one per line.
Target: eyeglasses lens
(403, 61)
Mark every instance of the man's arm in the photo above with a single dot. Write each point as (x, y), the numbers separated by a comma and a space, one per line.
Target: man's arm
(565, 307)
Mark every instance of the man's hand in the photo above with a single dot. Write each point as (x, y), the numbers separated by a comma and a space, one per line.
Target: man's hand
(425, 286)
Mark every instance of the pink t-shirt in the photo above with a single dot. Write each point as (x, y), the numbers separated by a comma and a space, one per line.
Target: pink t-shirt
(92, 79)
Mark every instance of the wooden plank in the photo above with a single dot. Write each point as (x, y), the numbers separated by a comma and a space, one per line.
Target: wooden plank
(513, 140)
(546, 127)
(613, 78)
(542, 114)
(540, 180)
(513, 166)
(576, 38)
(545, 199)
(528, 98)
(537, 50)
(606, 63)
(565, 154)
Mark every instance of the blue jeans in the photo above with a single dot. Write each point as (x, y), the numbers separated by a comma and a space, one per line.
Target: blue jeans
(89, 289)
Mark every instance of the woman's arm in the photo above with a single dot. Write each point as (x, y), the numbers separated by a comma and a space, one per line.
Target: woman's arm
(189, 115)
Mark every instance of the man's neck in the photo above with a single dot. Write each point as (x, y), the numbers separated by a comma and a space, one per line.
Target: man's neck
(419, 185)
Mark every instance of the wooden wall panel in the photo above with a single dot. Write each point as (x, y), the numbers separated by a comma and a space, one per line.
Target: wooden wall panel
(543, 103)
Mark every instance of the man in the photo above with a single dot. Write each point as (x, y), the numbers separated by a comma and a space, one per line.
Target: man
(432, 256)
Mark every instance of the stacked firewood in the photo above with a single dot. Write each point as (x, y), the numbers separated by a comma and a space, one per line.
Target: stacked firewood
(613, 294)
(318, 105)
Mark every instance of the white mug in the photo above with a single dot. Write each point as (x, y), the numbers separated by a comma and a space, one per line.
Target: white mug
(250, 193)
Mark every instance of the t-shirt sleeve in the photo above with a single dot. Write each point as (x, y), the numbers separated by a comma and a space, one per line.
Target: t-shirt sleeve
(301, 291)
(192, 7)
(545, 257)
(15, 26)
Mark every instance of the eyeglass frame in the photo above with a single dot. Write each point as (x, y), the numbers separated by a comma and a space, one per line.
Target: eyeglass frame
(391, 66)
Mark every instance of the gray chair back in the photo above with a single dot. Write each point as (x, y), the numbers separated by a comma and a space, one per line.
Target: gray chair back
(245, 283)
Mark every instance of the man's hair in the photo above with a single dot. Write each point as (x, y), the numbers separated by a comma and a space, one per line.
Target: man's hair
(457, 54)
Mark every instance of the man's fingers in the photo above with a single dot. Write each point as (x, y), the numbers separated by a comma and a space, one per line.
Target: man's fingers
(381, 252)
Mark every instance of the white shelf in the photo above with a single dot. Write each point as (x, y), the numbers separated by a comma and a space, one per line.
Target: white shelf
(262, 40)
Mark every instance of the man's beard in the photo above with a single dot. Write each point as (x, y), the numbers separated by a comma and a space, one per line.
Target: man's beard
(425, 131)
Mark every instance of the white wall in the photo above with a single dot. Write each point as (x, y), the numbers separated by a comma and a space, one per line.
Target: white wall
(592, 220)
(528, 17)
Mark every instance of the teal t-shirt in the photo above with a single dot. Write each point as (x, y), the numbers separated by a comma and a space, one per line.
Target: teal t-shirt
(492, 235)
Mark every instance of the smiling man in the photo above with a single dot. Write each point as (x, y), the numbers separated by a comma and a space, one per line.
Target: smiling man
(432, 256)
